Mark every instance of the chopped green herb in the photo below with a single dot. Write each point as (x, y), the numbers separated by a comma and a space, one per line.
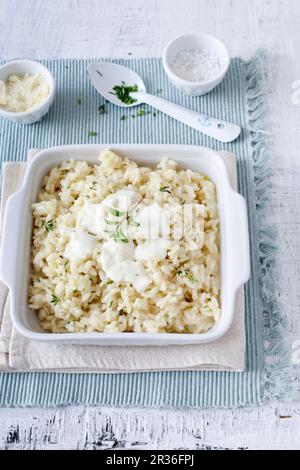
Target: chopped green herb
(111, 222)
(49, 225)
(165, 189)
(115, 212)
(183, 272)
(123, 93)
(141, 112)
(154, 114)
(117, 235)
(78, 101)
(133, 116)
(92, 134)
(186, 273)
(110, 233)
(102, 109)
(54, 300)
(122, 118)
(121, 235)
(129, 53)
(158, 91)
(109, 282)
(110, 303)
(133, 222)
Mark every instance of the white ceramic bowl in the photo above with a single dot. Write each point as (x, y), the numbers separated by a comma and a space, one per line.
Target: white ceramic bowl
(195, 41)
(15, 258)
(21, 67)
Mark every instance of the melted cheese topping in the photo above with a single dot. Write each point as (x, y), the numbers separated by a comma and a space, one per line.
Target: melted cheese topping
(121, 259)
(117, 262)
(152, 222)
(151, 250)
(124, 200)
(91, 218)
(80, 246)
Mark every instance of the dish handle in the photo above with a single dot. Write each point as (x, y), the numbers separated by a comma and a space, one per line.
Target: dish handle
(239, 256)
(11, 232)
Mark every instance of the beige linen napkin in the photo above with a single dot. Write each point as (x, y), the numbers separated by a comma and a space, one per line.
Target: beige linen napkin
(20, 353)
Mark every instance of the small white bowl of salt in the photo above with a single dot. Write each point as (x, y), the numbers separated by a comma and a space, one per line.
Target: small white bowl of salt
(195, 63)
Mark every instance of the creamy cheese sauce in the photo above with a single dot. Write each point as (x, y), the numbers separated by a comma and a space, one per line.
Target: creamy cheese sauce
(153, 222)
(99, 219)
(91, 218)
(123, 200)
(121, 259)
(80, 246)
(117, 261)
(151, 250)
(113, 253)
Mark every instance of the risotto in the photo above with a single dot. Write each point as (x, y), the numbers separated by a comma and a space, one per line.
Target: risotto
(122, 248)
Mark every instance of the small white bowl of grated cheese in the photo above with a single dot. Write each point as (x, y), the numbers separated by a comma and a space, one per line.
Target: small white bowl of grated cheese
(27, 91)
(195, 63)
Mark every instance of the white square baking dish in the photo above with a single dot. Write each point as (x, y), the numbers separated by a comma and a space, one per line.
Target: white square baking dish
(15, 263)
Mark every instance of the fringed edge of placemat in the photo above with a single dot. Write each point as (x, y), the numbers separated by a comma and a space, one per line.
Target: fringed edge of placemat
(279, 380)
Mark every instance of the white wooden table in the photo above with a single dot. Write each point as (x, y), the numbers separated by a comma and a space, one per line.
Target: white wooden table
(113, 28)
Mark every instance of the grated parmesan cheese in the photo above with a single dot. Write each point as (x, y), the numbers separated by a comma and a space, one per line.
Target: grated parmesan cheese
(196, 65)
(22, 92)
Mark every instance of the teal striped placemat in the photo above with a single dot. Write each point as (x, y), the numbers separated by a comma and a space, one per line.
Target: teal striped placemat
(240, 98)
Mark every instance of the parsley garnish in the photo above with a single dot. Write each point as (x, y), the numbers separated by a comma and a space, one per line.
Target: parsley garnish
(186, 273)
(165, 189)
(78, 101)
(123, 93)
(122, 118)
(117, 235)
(49, 225)
(121, 236)
(102, 109)
(133, 222)
(111, 222)
(54, 300)
(92, 134)
(115, 212)
(183, 272)
(142, 112)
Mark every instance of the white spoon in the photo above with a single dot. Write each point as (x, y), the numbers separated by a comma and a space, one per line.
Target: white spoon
(105, 75)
